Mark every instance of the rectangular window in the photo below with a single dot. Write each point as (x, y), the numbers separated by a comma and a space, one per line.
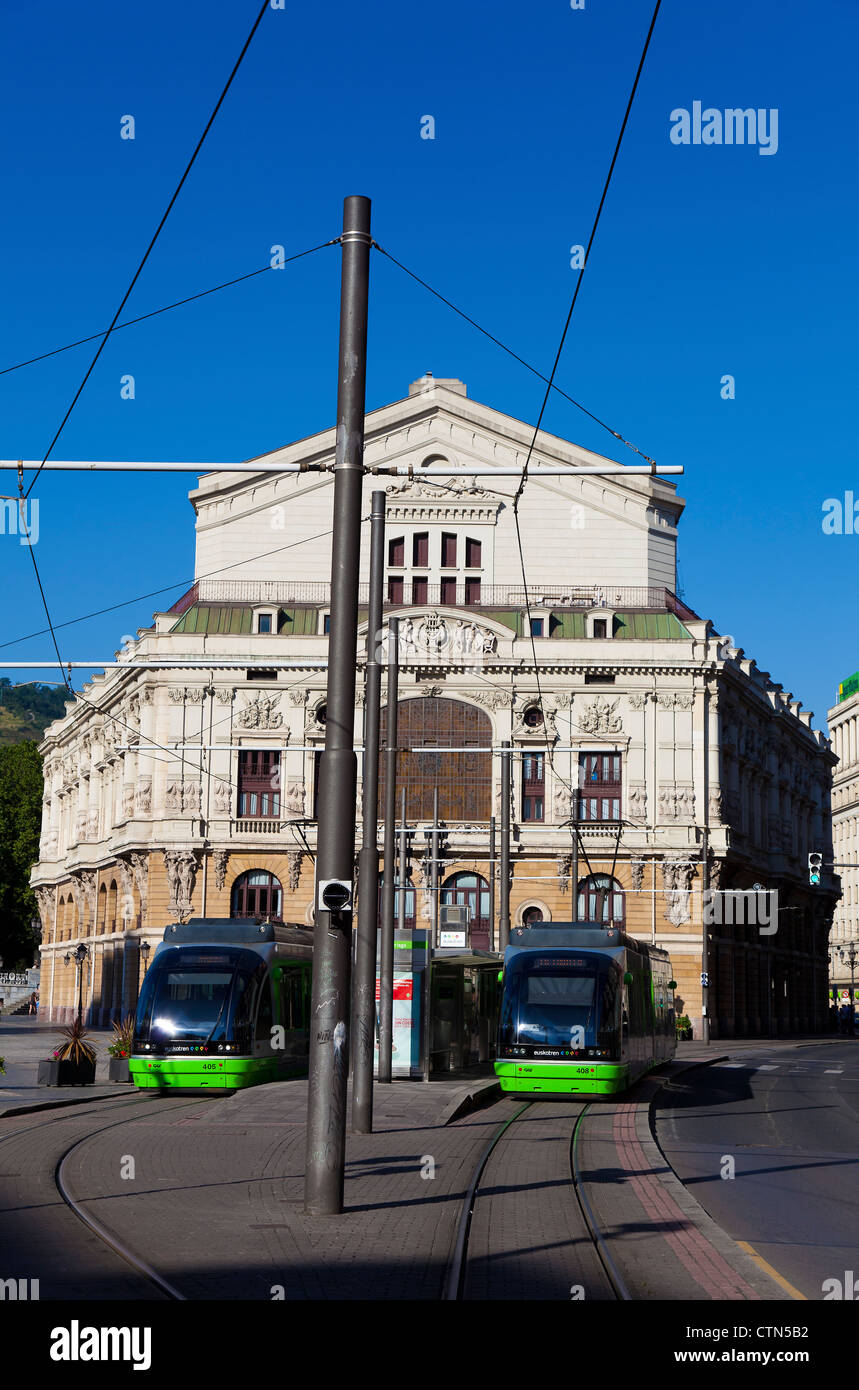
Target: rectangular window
(601, 786)
(472, 554)
(598, 678)
(264, 622)
(448, 590)
(395, 591)
(536, 627)
(448, 550)
(397, 551)
(533, 786)
(420, 549)
(326, 624)
(420, 589)
(259, 783)
(472, 590)
(600, 627)
(260, 673)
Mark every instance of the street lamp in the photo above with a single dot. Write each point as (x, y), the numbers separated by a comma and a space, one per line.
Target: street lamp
(145, 948)
(81, 954)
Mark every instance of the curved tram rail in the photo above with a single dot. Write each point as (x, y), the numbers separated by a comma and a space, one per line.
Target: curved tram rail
(139, 1105)
(455, 1287)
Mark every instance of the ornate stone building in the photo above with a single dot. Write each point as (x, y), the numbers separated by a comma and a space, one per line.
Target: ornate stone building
(843, 721)
(175, 788)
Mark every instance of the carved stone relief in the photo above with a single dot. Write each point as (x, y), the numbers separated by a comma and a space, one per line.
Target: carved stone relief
(600, 717)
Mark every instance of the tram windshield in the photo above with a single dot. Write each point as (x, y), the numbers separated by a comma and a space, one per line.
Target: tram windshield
(194, 997)
(561, 1004)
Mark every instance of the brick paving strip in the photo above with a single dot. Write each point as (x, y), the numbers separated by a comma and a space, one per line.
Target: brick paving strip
(662, 1241)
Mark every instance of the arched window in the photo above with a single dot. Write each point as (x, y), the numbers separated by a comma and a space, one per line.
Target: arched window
(256, 893)
(111, 907)
(101, 925)
(601, 899)
(471, 891)
(532, 915)
(61, 920)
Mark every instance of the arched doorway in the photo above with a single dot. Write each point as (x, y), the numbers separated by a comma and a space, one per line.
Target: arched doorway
(256, 893)
(471, 891)
(601, 899)
(464, 779)
(531, 915)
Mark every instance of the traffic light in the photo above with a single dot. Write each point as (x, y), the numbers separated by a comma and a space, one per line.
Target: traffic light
(815, 863)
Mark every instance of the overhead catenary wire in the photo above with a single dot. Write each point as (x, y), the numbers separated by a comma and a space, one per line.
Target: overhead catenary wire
(520, 489)
(616, 434)
(165, 308)
(155, 236)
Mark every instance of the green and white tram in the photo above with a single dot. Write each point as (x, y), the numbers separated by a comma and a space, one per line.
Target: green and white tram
(584, 1008)
(225, 1004)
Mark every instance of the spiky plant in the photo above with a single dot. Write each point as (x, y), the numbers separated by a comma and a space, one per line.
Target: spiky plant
(75, 1049)
(123, 1037)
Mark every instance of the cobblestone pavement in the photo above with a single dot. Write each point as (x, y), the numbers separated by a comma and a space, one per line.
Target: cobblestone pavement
(209, 1191)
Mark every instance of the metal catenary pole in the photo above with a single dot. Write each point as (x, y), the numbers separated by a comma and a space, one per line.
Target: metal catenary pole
(705, 947)
(434, 871)
(368, 864)
(402, 871)
(504, 891)
(493, 933)
(329, 1040)
(386, 941)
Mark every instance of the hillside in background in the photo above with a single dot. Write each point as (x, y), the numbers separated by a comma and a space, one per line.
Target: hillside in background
(27, 710)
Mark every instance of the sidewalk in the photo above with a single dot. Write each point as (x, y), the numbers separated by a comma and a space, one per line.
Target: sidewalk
(24, 1043)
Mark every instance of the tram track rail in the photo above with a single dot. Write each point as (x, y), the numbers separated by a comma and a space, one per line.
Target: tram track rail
(77, 1205)
(455, 1283)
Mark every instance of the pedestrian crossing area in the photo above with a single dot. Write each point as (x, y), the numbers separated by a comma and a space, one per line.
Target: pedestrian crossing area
(787, 1066)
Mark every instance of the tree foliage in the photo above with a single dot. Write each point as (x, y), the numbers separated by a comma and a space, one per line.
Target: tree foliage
(21, 785)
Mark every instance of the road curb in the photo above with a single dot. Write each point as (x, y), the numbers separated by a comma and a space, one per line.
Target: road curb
(58, 1104)
(764, 1284)
(475, 1098)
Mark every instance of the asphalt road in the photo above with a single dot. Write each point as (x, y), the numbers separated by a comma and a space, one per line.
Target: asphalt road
(786, 1122)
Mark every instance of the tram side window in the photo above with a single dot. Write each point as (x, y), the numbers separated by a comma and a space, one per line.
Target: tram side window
(265, 1018)
(294, 1008)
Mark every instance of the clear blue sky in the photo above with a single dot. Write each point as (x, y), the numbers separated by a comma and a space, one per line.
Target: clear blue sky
(710, 260)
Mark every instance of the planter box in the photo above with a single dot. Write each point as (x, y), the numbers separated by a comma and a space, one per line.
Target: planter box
(118, 1069)
(66, 1073)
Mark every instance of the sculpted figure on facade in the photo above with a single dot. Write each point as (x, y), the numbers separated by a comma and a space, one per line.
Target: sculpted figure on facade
(293, 800)
(677, 875)
(222, 791)
(563, 865)
(293, 860)
(636, 869)
(261, 713)
(638, 801)
(600, 717)
(220, 859)
(140, 870)
(181, 867)
(143, 798)
(562, 802)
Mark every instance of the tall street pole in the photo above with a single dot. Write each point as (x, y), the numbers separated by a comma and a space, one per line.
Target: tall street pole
(493, 937)
(329, 1033)
(504, 887)
(368, 863)
(705, 941)
(386, 942)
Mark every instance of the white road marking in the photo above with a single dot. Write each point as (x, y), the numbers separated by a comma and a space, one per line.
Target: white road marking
(834, 1071)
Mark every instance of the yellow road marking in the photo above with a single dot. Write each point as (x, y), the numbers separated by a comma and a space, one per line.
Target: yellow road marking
(773, 1273)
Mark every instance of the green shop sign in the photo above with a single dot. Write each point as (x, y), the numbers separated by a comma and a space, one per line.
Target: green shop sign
(848, 687)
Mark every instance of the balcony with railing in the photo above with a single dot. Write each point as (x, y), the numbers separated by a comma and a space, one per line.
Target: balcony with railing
(317, 594)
